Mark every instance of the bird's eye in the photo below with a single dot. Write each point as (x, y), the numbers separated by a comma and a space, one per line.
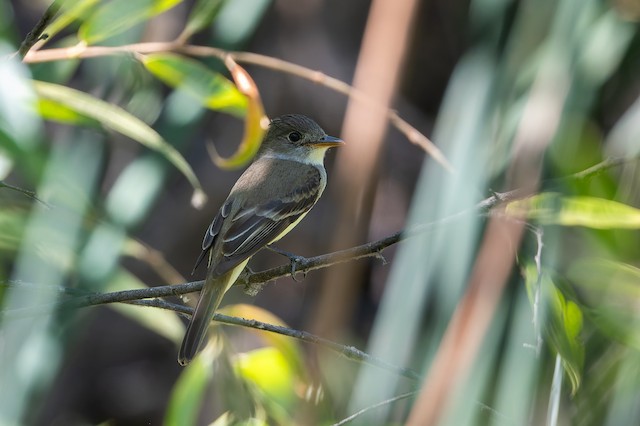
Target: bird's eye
(294, 136)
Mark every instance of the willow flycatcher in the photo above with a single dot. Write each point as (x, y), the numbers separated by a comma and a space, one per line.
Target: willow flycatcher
(270, 198)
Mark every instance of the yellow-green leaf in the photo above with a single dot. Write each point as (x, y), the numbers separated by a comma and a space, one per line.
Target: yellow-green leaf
(119, 120)
(286, 345)
(554, 209)
(268, 369)
(211, 89)
(117, 16)
(163, 322)
(56, 111)
(572, 320)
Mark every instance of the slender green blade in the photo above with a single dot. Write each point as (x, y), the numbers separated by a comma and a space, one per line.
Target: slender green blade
(117, 16)
(70, 12)
(201, 16)
(554, 209)
(119, 120)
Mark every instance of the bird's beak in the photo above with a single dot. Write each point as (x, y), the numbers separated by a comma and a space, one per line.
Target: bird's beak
(328, 141)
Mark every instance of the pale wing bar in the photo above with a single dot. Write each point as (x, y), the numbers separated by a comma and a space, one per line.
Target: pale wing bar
(263, 226)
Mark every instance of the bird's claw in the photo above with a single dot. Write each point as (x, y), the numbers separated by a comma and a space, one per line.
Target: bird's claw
(295, 261)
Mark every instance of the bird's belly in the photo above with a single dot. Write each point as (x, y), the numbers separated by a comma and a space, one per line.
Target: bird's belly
(289, 228)
(235, 273)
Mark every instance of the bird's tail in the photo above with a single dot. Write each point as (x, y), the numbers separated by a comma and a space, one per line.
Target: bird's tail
(211, 295)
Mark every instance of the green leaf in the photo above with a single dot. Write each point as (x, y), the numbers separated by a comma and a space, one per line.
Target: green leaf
(554, 209)
(285, 345)
(189, 391)
(163, 322)
(531, 280)
(117, 16)
(119, 120)
(211, 89)
(201, 16)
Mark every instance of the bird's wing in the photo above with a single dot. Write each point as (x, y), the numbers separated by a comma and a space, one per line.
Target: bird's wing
(252, 228)
(212, 232)
(247, 229)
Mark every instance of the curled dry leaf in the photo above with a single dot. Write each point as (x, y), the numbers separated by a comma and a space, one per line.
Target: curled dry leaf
(255, 124)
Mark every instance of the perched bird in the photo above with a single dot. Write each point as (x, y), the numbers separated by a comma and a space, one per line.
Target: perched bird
(270, 198)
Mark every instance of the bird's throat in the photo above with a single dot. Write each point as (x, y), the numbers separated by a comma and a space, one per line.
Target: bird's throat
(314, 158)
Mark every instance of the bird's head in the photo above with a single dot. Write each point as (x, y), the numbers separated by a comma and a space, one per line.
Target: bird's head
(299, 137)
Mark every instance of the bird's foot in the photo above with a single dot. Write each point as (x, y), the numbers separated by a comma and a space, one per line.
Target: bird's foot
(295, 262)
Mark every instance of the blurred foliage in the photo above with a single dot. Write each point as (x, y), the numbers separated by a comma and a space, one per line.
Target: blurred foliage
(116, 16)
(554, 209)
(563, 323)
(562, 74)
(272, 375)
(112, 117)
(211, 89)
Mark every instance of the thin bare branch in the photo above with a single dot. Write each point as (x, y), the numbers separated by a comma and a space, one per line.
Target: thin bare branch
(253, 280)
(83, 51)
(131, 297)
(151, 296)
(371, 407)
(601, 167)
(30, 194)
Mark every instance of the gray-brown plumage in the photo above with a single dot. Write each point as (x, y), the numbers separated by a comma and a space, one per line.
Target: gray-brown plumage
(268, 200)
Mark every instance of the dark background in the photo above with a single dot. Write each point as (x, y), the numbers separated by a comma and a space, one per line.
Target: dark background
(115, 370)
